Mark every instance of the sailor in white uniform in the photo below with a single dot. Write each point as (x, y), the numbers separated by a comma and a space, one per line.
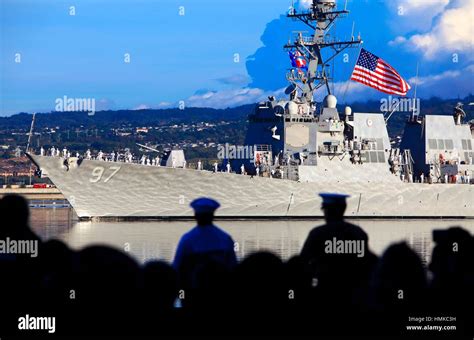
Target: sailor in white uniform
(242, 169)
(199, 165)
(215, 167)
(228, 167)
(42, 151)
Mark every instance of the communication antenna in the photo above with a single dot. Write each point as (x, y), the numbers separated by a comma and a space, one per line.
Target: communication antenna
(148, 147)
(31, 132)
(414, 95)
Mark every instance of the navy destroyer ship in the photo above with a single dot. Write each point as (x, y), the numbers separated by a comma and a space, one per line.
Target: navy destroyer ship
(300, 147)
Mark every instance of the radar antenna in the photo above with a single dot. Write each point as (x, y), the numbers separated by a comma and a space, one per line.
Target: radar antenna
(320, 17)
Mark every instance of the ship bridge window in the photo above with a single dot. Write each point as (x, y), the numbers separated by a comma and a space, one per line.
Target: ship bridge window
(381, 156)
(440, 144)
(432, 144)
(373, 157)
(466, 144)
(379, 144)
(449, 144)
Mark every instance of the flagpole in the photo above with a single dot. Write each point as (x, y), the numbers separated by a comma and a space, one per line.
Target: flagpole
(414, 96)
(349, 81)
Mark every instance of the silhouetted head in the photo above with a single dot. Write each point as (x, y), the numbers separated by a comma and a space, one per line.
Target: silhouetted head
(15, 208)
(107, 273)
(400, 276)
(15, 215)
(452, 255)
(262, 270)
(204, 210)
(160, 283)
(333, 206)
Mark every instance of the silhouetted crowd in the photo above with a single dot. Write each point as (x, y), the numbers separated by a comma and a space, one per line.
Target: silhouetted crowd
(100, 290)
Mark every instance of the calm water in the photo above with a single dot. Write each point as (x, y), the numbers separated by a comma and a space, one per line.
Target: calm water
(158, 240)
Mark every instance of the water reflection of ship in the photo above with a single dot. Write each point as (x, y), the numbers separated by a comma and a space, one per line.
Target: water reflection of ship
(300, 147)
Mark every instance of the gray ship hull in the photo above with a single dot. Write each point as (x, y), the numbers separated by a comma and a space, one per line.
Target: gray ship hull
(98, 189)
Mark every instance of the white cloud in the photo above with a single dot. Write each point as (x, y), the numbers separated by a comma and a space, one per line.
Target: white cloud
(431, 79)
(409, 15)
(230, 98)
(411, 6)
(452, 31)
(397, 41)
(303, 4)
(141, 107)
(447, 84)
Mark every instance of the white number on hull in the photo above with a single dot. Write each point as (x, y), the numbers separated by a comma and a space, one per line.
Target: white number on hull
(99, 171)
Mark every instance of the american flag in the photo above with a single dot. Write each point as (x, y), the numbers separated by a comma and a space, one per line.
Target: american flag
(372, 71)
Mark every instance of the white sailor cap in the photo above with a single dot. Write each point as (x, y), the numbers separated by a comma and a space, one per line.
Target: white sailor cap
(333, 198)
(204, 205)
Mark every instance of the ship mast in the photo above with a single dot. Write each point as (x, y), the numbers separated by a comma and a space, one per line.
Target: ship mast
(320, 17)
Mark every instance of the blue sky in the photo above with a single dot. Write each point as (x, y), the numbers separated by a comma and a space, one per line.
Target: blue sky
(192, 57)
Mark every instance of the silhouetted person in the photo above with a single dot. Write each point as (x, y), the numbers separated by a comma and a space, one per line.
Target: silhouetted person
(160, 289)
(20, 270)
(452, 286)
(107, 292)
(399, 289)
(204, 258)
(205, 241)
(260, 294)
(15, 215)
(338, 258)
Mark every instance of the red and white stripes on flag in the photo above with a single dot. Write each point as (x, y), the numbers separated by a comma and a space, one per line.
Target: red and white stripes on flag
(372, 71)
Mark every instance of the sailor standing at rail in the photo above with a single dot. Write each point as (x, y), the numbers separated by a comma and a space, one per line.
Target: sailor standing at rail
(199, 165)
(64, 152)
(422, 178)
(100, 155)
(257, 170)
(446, 178)
(184, 164)
(41, 151)
(88, 154)
(215, 167)
(53, 151)
(242, 169)
(228, 167)
(112, 156)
